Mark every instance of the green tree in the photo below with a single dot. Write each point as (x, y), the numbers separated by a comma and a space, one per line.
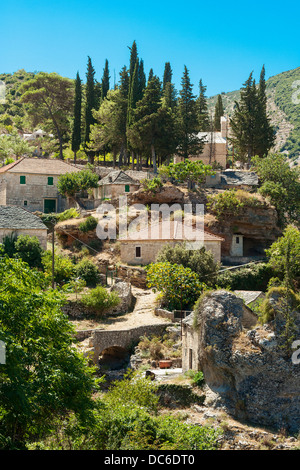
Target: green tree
(187, 120)
(280, 183)
(180, 286)
(76, 134)
(13, 146)
(105, 81)
(90, 102)
(199, 261)
(167, 75)
(44, 376)
(190, 172)
(49, 99)
(288, 243)
(29, 250)
(202, 108)
(71, 183)
(252, 133)
(219, 112)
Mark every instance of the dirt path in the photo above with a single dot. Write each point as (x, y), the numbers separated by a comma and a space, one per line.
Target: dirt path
(143, 314)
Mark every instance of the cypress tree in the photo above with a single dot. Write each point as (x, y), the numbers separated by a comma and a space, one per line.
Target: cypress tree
(141, 80)
(202, 108)
(76, 134)
(133, 93)
(252, 133)
(167, 75)
(90, 99)
(188, 126)
(105, 81)
(151, 75)
(219, 112)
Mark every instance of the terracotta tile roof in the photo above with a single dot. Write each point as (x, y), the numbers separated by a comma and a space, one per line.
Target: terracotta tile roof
(40, 166)
(173, 231)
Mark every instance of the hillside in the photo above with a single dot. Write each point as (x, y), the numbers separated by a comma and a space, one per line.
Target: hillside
(284, 114)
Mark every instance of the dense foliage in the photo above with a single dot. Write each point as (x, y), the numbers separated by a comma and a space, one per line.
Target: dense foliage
(180, 286)
(44, 376)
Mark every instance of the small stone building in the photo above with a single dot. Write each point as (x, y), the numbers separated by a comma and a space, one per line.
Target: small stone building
(116, 183)
(17, 221)
(142, 247)
(31, 183)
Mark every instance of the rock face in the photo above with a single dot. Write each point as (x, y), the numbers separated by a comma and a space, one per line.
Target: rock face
(123, 289)
(246, 370)
(167, 194)
(257, 224)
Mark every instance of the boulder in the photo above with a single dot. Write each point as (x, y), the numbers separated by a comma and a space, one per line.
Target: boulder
(246, 370)
(123, 290)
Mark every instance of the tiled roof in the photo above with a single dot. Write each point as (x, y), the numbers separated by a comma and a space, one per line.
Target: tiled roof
(16, 218)
(239, 177)
(212, 137)
(173, 231)
(117, 177)
(41, 166)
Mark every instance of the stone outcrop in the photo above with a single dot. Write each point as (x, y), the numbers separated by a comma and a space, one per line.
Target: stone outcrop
(123, 290)
(68, 232)
(167, 194)
(246, 370)
(258, 224)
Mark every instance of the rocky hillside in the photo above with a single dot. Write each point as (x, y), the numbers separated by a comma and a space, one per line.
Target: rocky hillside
(283, 106)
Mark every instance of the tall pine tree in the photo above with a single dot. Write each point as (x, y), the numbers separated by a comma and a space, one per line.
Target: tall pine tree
(105, 81)
(76, 133)
(202, 108)
(219, 112)
(252, 133)
(167, 75)
(188, 127)
(90, 99)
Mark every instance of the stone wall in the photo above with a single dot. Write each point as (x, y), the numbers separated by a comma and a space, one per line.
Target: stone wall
(41, 234)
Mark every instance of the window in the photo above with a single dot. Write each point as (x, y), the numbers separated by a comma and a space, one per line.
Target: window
(237, 239)
(138, 252)
(25, 203)
(127, 188)
(50, 180)
(22, 179)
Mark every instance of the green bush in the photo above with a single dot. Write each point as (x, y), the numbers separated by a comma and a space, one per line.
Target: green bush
(200, 261)
(64, 269)
(254, 277)
(100, 300)
(87, 271)
(29, 250)
(71, 213)
(89, 224)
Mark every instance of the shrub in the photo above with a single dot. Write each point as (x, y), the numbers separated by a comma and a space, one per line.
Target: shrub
(153, 185)
(29, 250)
(200, 261)
(100, 300)
(89, 224)
(181, 286)
(231, 203)
(254, 277)
(64, 269)
(87, 271)
(71, 213)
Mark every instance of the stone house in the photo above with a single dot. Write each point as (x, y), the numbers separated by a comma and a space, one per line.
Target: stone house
(116, 183)
(215, 147)
(142, 247)
(31, 183)
(18, 221)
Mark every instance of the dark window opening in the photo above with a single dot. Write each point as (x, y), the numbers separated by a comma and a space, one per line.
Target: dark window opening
(138, 252)
(127, 188)
(50, 180)
(25, 203)
(237, 239)
(22, 179)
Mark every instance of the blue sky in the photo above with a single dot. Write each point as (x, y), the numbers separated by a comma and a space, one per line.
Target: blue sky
(220, 42)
